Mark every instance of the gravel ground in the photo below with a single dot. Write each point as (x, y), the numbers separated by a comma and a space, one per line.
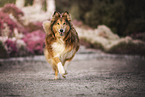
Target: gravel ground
(90, 74)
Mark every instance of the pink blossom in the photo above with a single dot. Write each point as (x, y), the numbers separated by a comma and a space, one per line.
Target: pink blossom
(11, 8)
(35, 41)
(4, 18)
(11, 47)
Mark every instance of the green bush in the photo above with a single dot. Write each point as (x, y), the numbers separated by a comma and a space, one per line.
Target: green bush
(124, 17)
(128, 48)
(3, 52)
(3, 2)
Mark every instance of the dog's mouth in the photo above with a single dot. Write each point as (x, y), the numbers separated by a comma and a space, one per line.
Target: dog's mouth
(61, 33)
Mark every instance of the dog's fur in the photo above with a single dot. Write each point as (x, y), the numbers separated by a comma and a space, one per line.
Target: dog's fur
(61, 42)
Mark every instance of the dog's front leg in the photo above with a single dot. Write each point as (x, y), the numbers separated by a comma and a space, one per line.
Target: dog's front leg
(58, 67)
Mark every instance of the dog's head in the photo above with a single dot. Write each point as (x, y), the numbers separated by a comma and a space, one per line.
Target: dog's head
(60, 23)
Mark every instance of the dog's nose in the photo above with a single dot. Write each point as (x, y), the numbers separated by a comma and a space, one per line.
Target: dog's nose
(61, 30)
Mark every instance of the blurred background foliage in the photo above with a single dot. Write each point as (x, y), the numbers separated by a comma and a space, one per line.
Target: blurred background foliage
(21, 32)
(3, 2)
(124, 17)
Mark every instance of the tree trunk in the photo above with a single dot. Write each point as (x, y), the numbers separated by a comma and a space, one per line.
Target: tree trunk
(38, 4)
(50, 6)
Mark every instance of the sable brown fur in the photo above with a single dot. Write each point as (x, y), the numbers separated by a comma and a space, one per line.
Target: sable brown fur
(61, 42)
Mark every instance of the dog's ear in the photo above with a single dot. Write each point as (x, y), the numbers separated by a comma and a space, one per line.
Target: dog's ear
(46, 25)
(55, 16)
(66, 15)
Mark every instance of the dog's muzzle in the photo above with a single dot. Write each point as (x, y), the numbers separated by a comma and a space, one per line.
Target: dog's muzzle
(61, 32)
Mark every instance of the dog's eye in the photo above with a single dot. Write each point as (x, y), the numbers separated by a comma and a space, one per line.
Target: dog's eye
(63, 23)
(57, 23)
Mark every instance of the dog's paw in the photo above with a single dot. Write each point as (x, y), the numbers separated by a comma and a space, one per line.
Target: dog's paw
(60, 68)
(56, 77)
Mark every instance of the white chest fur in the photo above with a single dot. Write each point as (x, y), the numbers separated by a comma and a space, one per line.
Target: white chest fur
(58, 47)
(61, 51)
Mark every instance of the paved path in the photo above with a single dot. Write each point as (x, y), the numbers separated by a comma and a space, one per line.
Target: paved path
(91, 74)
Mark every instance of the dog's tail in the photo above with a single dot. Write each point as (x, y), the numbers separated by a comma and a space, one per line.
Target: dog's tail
(61, 68)
(46, 26)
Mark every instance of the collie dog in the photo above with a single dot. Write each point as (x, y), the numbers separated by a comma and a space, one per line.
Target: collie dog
(61, 42)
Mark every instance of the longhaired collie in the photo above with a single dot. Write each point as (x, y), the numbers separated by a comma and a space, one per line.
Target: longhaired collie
(61, 42)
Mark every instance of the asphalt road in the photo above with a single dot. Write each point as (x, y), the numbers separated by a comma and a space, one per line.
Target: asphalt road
(91, 74)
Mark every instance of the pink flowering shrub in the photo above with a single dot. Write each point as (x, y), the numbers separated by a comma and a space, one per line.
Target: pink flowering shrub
(17, 13)
(35, 41)
(11, 47)
(17, 39)
(11, 8)
(33, 26)
(4, 18)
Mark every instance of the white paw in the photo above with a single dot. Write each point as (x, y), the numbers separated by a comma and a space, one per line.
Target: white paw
(60, 68)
